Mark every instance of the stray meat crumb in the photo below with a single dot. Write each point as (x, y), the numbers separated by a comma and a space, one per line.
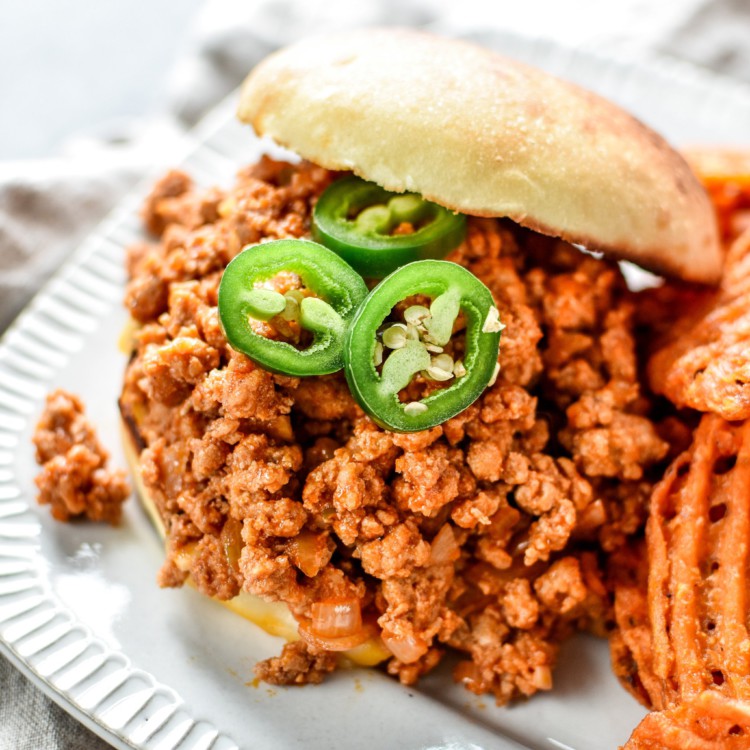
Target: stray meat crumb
(297, 665)
(74, 480)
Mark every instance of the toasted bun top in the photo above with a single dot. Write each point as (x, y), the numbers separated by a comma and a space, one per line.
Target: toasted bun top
(484, 135)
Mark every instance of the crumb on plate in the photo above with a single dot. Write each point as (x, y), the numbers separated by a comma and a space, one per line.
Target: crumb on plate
(74, 480)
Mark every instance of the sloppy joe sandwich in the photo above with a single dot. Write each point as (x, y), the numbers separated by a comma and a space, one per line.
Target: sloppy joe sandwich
(377, 400)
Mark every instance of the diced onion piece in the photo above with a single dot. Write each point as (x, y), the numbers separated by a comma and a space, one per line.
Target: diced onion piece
(310, 552)
(321, 643)
(593, 515)
(231, 540)
(185, 556)
(336, 618)
(444, 548)
(542, 677)
(407, 649)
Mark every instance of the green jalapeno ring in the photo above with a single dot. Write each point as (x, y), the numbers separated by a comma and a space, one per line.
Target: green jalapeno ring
(377, 393)
(339, 288)
(354, 218)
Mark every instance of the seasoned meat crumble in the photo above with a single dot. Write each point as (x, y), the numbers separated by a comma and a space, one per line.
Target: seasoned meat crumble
(283, 488)
(74, 480)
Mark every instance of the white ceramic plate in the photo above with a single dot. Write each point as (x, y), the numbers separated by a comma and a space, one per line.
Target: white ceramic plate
(80, 612)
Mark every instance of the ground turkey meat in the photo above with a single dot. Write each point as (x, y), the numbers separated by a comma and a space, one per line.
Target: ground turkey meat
(484, 534)
(74, 480)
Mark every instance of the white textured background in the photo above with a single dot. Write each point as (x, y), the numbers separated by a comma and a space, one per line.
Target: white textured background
(98, 67)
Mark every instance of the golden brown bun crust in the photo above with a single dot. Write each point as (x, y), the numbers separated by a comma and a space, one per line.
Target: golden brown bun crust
(483, 135)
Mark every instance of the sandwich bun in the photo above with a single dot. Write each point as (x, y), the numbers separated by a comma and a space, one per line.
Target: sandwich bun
(487, 136)
(478, 134)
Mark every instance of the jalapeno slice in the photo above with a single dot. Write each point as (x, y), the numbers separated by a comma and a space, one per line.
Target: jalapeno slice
(417, 345)
(246, 294)
(357, 220)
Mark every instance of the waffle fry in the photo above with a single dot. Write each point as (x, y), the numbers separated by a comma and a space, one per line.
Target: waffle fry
(703, 361)
(631, 643)
(725, 173)
(700, 725)
(698, 535)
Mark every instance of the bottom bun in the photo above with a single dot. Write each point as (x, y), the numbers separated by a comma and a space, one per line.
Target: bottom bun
(273, 617)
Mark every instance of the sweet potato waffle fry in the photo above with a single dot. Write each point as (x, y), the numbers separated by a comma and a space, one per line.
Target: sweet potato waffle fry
(698, 538)
(703, 361)
(725, 173)
(631, 643)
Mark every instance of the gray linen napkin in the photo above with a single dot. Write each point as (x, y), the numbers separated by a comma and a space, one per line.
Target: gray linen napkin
(46, 208)
(45, 211)
(30, 721)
